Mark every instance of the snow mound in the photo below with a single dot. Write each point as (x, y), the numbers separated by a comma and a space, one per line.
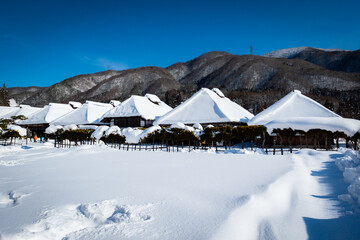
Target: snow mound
(10, 199)
(349, 164)
(88, 219)
(99, 132)
(177, 125)
(133, 135)
(149, 130)
(88, 127)
(52, 129)
(20, 130)
(70, 127)
(113, 130)
(198, 126)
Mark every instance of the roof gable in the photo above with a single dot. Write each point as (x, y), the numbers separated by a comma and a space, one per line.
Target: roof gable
(294, 104)
(206, 106)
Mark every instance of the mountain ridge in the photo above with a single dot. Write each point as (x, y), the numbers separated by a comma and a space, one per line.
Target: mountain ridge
(233, 74)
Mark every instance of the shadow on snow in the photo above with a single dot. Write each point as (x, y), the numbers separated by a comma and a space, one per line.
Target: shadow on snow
(347, 225)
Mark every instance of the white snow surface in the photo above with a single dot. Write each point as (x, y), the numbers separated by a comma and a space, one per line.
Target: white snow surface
(113, 130)
(99, 132)
(87, 126)
(218, 92)
(293, 105)
(349, 164)
(138, 106)
(47, 114)
(285, 53)
(198, 126)
(4, 110)
(133, 135)
(292, 52)
(12, 102)
(203, 107)
(333, 124)
(52, 129)
(95, 192)
(21, 131)
(153, 98)
(88, 113)
(70, 127)
(75, 104)
(114, 102)
(25, 110)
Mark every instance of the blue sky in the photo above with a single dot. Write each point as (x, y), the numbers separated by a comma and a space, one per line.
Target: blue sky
(44, 42)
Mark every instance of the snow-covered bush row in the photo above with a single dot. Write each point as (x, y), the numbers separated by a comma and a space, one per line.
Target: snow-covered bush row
(349, 164)
(52, 129)
(20, 130)
(11, 127)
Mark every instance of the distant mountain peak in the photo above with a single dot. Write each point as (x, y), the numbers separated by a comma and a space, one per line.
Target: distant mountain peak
(292, 52)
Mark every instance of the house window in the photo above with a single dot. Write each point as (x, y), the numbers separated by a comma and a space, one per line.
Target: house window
(142, 123)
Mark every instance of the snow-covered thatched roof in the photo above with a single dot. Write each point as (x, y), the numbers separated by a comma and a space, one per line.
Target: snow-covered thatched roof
(47, 114)
(148, 107)
(206, 106)
(88, 113)
(293, 105)
(24, 110)
(4, 110)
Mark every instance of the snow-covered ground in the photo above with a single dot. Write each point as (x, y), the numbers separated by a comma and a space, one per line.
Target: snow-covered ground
(95, 192)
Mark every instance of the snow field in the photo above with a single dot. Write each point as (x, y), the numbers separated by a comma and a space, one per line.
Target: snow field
(284, 203)
(95, 192)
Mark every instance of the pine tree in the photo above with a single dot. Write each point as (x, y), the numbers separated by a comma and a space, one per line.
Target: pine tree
(4, 100)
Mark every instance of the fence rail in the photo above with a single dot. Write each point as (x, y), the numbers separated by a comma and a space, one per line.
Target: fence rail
(274, 150)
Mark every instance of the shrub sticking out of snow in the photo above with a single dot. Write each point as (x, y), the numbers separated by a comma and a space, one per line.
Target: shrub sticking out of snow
(52, 129)
(149, 130)
(70, 127)
(177, 125)
(113, 130)
(198, 126)
(20, 130)
(349, 164)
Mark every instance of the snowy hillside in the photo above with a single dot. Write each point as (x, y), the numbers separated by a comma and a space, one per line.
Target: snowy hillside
(285, 53)
(95, 192)
(292, 52)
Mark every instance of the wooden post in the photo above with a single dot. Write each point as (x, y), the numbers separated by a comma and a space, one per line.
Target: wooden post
(274, 145)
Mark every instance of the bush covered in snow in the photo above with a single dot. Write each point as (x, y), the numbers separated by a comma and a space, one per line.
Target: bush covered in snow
(77, 135)
(349, 164)
(113, 138)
